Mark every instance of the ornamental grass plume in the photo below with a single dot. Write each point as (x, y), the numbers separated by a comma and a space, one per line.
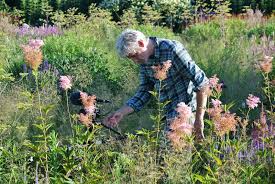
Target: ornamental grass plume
(65, 82)
(161, 70)
(180, 128)
(32, 53)
(252, 101)
(266, 64)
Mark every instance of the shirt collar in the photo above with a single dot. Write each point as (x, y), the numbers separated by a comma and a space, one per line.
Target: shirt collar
(156, 44)
(153, 58)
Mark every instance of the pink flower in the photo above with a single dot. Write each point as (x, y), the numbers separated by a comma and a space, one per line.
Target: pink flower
(184, 110)
(186, 128)
(36, 44)
(216, 103)
(213, 81)
(252, 101)
(90, 110)
(161, 70)
(65, 82)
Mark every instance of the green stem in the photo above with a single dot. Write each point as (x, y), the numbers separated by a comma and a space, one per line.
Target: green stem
(68, 110)
(44, 127)
(158, 122)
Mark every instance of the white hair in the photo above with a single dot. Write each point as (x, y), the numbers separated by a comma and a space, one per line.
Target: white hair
(127, 42)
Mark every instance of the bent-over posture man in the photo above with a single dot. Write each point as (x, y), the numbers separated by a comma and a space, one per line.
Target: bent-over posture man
(185, 81)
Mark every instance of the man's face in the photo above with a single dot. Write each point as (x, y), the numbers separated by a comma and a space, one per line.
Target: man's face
(141, 56)
(138, 57)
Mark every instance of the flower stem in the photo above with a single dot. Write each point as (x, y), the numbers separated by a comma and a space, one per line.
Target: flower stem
(68, 110)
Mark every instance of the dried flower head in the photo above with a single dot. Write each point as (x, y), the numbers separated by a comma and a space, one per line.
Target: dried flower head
(266, 64)
(252, 101)
(161, 70)
(65, 82)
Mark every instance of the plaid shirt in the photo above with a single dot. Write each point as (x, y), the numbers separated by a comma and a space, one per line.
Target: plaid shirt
(184, 78)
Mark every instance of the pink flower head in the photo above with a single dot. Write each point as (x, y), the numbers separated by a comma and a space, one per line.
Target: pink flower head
(36, 44)
(184, 110)
(216, 103)
(65, 82)
(186, 128)
(167, 64)
(90, 110)
(213, 81)
(252, 101)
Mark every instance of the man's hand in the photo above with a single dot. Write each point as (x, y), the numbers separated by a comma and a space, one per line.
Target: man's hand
(113, 119)
(198, 129)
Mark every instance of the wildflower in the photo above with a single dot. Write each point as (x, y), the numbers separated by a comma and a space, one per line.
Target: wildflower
(266, 64)
(161, 70)
(216, 103)
(183, 110)
(32, 56)
(224, 123)
(36, 44)
(89, 103)
(252, 101)
(85, 119)
(65, 82)
(216, 110)
(215, 85)
(213, 81)
(180, 126)
(87, 100)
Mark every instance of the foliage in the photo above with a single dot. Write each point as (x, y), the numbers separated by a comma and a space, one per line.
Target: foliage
(36, 124)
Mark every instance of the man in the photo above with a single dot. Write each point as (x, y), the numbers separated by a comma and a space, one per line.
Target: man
(185, 81)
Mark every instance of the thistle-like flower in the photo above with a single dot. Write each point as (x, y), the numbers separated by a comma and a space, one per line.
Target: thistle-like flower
(161, 70)
(65, 82)
(252, 101)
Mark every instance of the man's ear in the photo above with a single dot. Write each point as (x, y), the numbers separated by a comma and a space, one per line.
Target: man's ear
(141, 43)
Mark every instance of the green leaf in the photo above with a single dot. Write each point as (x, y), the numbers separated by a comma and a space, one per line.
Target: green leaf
(200, 178)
